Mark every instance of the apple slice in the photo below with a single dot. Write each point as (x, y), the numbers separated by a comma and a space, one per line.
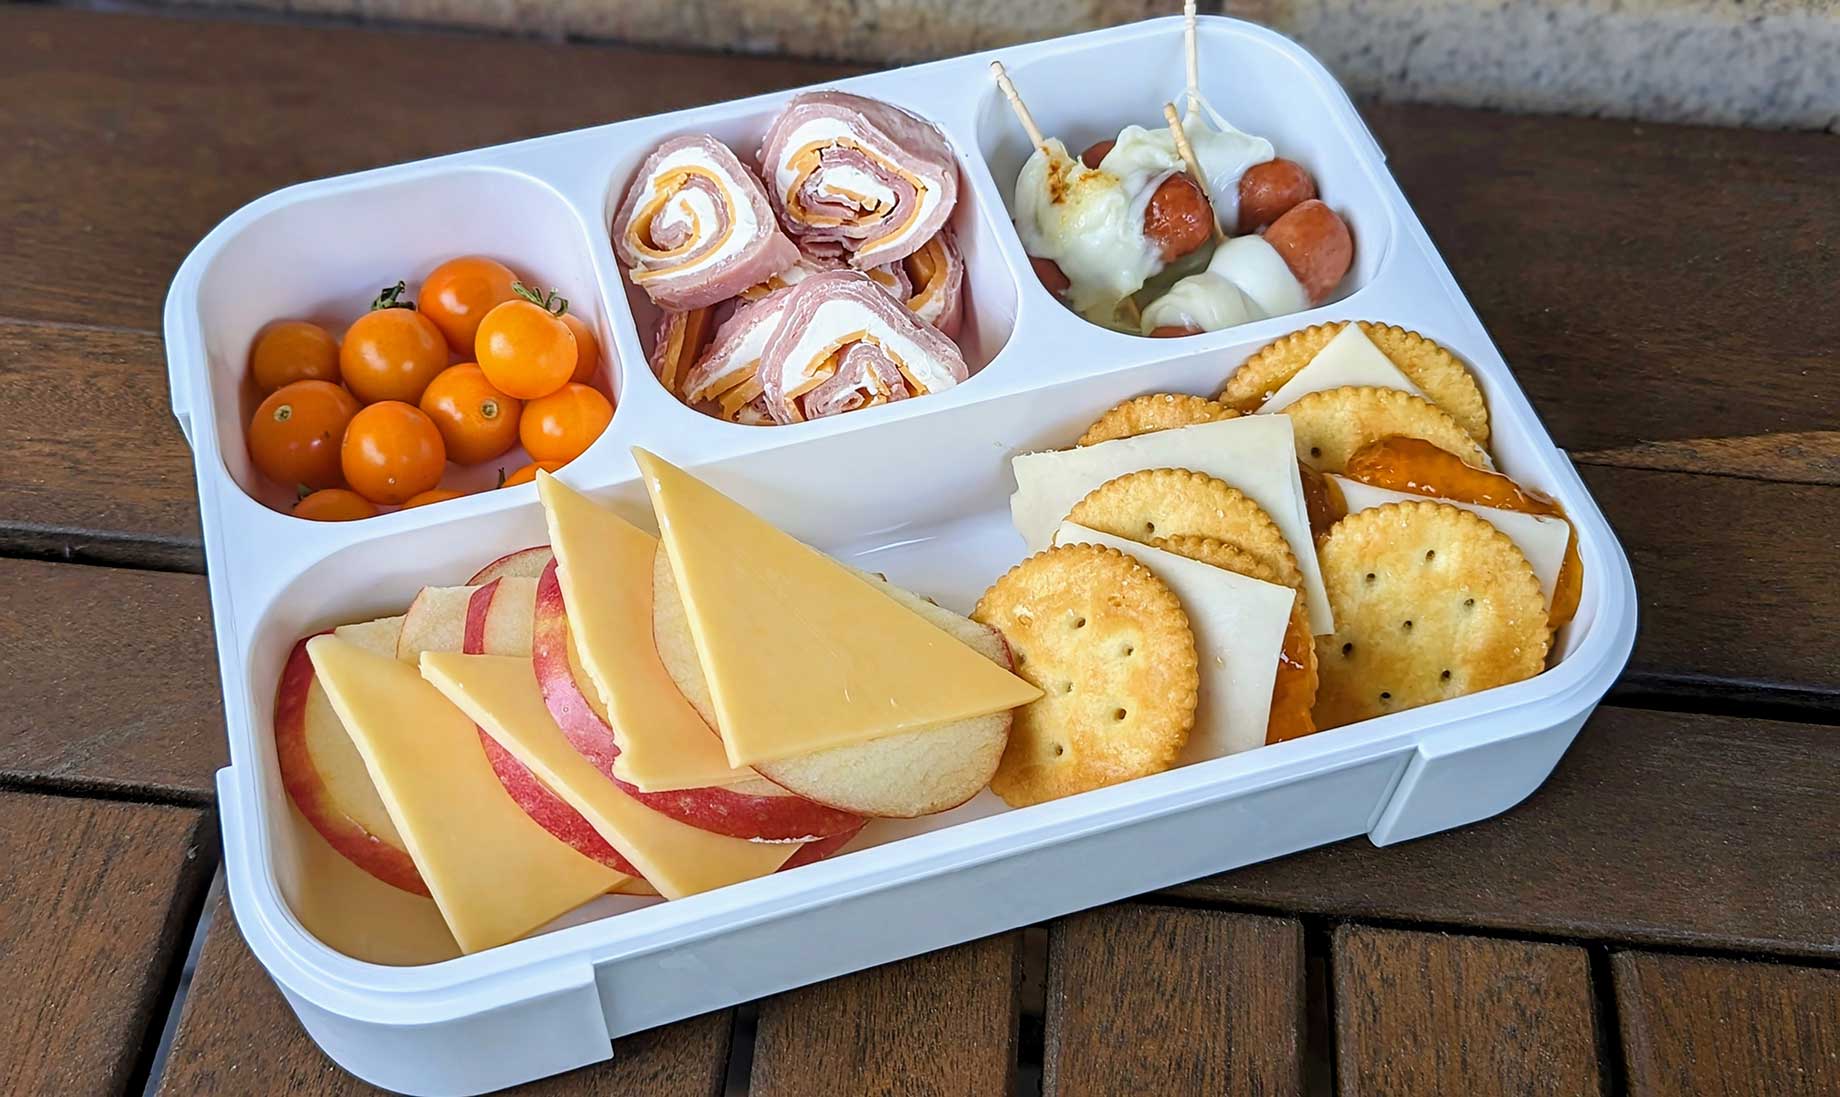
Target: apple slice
(821, 849)
(435, 621)
(377, 636)
(325, 776)
(525, 563)
(550, 811)
(755, 809)
(499, 617)
(897, 776)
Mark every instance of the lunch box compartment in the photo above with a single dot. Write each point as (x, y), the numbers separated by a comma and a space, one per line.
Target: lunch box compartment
(917, 490)
(1088, 89)
(990, 286)
(324, 257)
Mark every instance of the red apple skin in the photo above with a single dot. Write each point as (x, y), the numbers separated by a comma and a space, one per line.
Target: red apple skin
(386, 862)
(527, 562)
(812, 852)
(548, 810)
(771, 818)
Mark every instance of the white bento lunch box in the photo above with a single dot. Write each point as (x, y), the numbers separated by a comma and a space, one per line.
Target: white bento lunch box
(917, 489)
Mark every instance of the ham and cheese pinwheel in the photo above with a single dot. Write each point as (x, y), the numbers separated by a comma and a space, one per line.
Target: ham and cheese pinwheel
(936, 276)
(842, 343)
(677, 340)
(931, 281)
(728, 375)
(695, 227)
(858, 173)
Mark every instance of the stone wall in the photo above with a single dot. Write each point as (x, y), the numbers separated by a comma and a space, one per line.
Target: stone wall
(1772, 63)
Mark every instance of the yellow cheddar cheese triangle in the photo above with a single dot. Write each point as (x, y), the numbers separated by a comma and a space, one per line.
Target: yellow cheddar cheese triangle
(604, 567)
(801, 654)
(501, 694)
(495, 873)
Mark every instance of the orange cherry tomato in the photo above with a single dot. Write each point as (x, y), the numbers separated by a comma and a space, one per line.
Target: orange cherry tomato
(528, 473)
(392, 351)
(436, 495)
(457, 295)
(525, 348)
(334, 505)
(295, 433)
(476, 421)
(392, 451)
(293, 350)
(558, 427)
(587, 349)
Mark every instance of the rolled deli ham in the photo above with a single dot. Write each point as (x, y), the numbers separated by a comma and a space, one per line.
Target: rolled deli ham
(937, 276)
(696, 227)
(842, 342)
(842, 169)
(728, 374)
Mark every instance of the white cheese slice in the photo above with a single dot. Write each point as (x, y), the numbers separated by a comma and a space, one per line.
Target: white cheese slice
(1261, 273)
(1542, 539)
(1239, 625)
(1255, 453)
(1348, 359)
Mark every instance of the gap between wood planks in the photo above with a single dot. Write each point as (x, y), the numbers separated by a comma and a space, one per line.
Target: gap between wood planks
(149, 1060)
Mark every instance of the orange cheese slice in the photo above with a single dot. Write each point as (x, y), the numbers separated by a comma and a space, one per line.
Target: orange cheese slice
(500, 693)
(604, 566)
(801, 654)
(495, 873)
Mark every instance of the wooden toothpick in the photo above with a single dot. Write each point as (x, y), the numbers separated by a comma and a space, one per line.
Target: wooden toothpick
(1016, 104)
(1187, 152)
(1194, 58)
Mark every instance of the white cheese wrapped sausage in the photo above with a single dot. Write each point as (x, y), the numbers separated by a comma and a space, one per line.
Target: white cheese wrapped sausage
(860, 173)
(695, 227)
(1087, 222)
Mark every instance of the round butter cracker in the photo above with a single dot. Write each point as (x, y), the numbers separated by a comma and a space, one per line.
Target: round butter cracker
(1436, 371)
(1154, 412)
(1110, 647)
(1431, 602)
(1152, 503)
(1330, 426)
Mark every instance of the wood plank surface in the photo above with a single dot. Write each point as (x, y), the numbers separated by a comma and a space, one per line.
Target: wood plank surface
(112, 681)
(1429, 1015)
(1695, 1027)
(938, 1025)
(1647, 283)
(1146, 999)
(99, 469)
(194, 118)
(1732, 601)
(95, 907)
(238, 1036)
(1656, 828)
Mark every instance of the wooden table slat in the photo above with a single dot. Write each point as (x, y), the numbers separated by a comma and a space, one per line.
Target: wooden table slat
(1656, 828)
(1146, 999)
(145, 130)
(238, 1036)
(936, 1025)
(99, 470)
(1695, 1027)
(112, 680)
(96, 900)
(1428, 1015)
(1624, 325)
